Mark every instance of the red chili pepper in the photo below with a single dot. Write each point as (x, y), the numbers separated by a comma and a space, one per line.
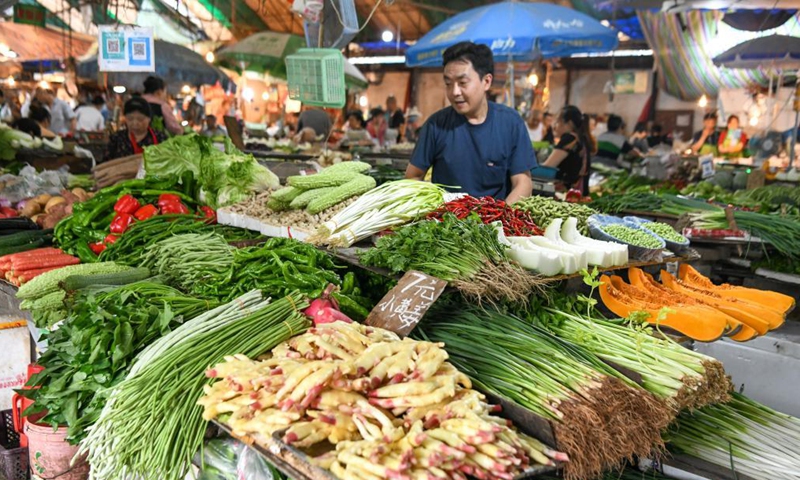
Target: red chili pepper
(174, 208)
(209, 214)
(127, 204)
(121, 223)
(97, 247)
(168, 198)
(110, 238)
(146, 212)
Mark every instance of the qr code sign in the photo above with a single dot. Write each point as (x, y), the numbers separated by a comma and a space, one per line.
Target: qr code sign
(139, 50)
(112, 46)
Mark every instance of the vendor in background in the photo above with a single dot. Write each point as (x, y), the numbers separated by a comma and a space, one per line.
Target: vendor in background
(212, 129)
(612, 146)
(639, 137)
(41, 116)
(394, 116)
(706, 140)
(535, 126)
(62, 117)
(355, 121)
(161, 113)
(657, 137)
(480, 146)
(9, 108)
(138, 132)
(413, 125)
(89, 118)
(315, 119)
(732, 140)
(377, 126)
(547, 122)
(575, 146)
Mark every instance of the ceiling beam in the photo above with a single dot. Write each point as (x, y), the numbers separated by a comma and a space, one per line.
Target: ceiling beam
(433, 8)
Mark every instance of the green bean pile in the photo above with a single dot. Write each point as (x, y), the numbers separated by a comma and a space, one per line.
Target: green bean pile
(543, 210)
(632, 236)
(665, 231)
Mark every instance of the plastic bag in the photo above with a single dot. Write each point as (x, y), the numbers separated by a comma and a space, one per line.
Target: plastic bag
(252, 466)
(220, 459)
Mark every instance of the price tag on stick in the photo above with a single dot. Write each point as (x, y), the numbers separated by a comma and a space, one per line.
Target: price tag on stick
(403, 307)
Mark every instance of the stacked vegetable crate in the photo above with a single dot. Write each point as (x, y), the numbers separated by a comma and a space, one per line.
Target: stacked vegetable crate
(13, 458)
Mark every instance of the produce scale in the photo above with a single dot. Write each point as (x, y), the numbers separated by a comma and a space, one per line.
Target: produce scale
(336, 321)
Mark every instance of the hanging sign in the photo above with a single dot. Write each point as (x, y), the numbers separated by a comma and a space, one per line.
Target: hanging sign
(125, 49)
(706, 166)
(30, 14)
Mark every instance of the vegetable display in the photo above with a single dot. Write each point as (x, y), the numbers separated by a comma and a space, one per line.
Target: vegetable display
(391, 408)
(632, 236)
(598, 416)
(783, 233)
(321, 191)
(665, 231)
(515, 222)
(544, 210)
(693, 305)
(91, 220)
(139, 434)
(221, 178)
(90, 356)
(466, 253)
(742, 435)
(563, 250)
(389, 205)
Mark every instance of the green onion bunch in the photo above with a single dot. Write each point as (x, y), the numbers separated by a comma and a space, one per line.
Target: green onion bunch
(599, 417)
(742, 435)
(783, 233)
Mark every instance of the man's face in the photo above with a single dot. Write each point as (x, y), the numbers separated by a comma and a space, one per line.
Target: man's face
(710, 123)
(465, 89)
(211, 122)
(391, 104)
(547, 120)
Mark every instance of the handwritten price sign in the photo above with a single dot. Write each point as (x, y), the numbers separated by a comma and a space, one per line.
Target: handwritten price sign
(405, 305)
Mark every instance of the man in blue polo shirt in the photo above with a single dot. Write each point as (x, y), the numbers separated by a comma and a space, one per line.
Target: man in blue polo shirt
(474, 146)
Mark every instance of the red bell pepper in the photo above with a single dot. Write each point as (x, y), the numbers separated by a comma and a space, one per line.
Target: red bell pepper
(121, 223)
(127, 204)
(146, 212)
(209, 214)
(9, 212)
(174, 208)
(110, 238)
(97, 247)
(167, 199)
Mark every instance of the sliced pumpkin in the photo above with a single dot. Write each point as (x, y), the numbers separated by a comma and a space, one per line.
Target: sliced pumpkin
(769, 299)
(725, 305)
(744, 334)
(644, 280)
(694, 322)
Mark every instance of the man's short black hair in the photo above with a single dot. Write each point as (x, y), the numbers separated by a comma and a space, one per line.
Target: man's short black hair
(480, 56)
(98, 100)
(614, 123)
(39, 114)
(640, 127)
(656, 129)
(29, 126)
(710, 116)
(153, 84)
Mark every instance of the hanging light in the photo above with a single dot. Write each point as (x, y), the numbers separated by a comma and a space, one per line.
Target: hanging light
(248, 94)
(703, 102)
(533, 79)
(387, 36)
(753, 121)
(186, 89)
(11, 81)
(44, 85)
(265, 95)
(210, 57)
(363, 101)
(119, 89)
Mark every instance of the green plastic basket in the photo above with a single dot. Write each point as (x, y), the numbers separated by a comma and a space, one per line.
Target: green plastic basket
(316, 77)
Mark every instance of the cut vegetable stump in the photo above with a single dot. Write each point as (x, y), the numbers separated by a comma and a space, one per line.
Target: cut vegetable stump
(772, 300)
(694, 321)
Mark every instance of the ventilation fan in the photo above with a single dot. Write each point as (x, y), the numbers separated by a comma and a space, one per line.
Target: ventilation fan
(765, 145)
(339, 24)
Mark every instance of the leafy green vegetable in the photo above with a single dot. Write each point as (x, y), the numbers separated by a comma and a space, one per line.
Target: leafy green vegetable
(93, 349)
(224, 177)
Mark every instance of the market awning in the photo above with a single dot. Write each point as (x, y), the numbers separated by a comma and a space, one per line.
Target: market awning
(32, 43)
(774, 51)
(177, 65)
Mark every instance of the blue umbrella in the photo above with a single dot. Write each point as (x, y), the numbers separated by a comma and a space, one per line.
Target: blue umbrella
(516, 31)
(777, 51)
